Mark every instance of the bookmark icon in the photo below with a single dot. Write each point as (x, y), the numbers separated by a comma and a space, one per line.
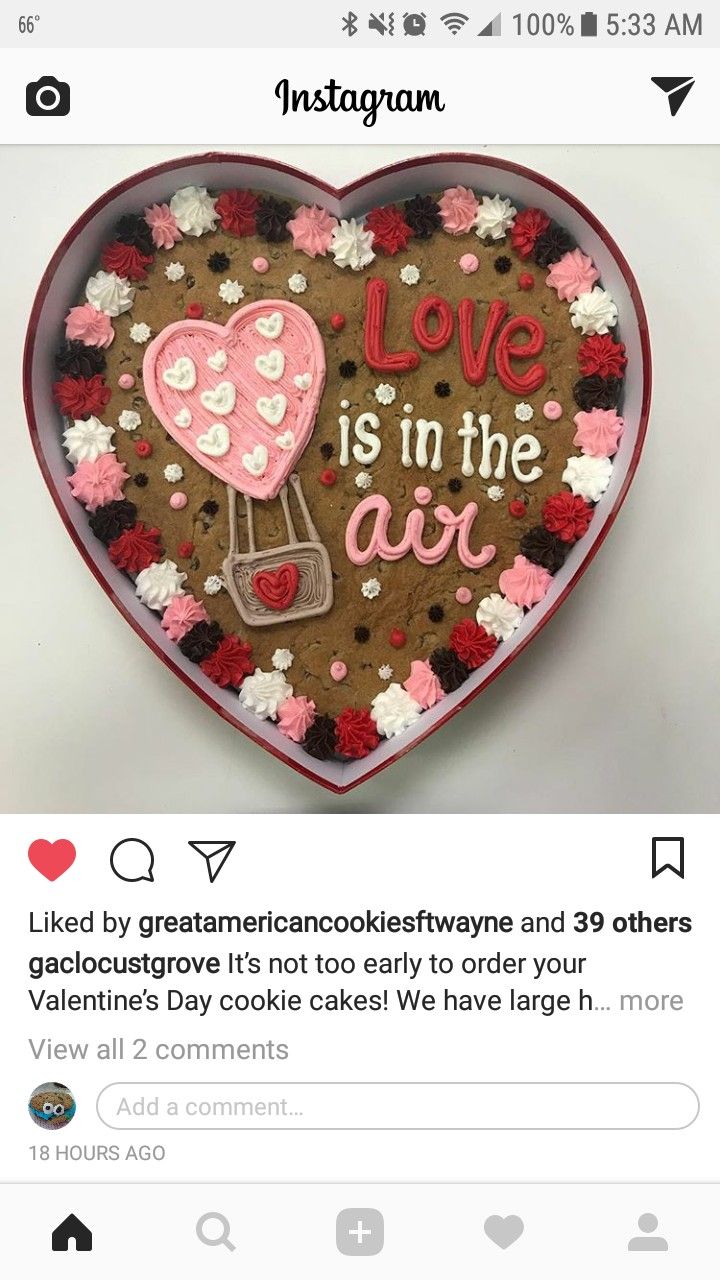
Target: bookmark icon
(215, 853)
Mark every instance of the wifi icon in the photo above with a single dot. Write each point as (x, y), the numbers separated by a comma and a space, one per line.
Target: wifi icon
(454, 21)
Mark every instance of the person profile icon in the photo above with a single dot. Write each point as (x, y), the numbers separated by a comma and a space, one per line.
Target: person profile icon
(648, 1242)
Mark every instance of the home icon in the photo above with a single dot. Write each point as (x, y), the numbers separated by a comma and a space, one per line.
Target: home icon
(72, 1229)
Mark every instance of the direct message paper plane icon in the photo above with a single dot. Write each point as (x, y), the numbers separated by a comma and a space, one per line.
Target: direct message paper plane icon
(676, 88)
(215, 853)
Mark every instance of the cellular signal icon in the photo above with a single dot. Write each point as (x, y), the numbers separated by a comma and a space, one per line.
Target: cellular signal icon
(454, 21)
(493, 28)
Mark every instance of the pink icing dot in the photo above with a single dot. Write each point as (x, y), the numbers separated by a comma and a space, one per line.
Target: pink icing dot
(468, 263)
(423, 495)
(552, 410)
(261, 265)
(463, 595)
(338, 671)
(126, 381)
(178, 501)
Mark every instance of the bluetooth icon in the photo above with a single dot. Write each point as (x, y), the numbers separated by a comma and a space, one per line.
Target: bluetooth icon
(349, 24)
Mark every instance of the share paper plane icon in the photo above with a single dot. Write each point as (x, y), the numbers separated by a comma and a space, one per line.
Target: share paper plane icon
(215, 853)
(677, 89)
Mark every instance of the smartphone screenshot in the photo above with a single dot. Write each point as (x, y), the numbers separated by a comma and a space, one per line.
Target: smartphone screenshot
(361, 693)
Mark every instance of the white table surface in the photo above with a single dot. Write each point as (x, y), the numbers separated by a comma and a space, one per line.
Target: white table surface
(613, 708)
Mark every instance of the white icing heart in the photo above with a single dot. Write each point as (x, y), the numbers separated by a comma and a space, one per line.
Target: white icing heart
(218, 360)
(216, 440)
(272, 410)
(256, 462)
(270, 326)
(303, 381)
(286, 440)
(221, 399)
(183, 418)
(271, 366)
(181, 375)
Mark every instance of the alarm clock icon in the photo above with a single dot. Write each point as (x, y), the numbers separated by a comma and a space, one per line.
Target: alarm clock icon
(414, 24)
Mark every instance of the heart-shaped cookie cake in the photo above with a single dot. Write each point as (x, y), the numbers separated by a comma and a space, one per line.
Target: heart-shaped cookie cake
(341, 459)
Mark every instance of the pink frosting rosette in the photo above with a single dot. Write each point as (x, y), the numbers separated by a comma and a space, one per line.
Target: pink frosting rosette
(423, 685)
(295, 717)
(312, 229)
(162, 222)
(458, 207)
(97, 483)
(574, 274)
(598, 432)
(525, 584)
(182, 613)
(87, 324)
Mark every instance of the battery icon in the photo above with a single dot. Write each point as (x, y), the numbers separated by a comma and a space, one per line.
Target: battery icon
(588, 24)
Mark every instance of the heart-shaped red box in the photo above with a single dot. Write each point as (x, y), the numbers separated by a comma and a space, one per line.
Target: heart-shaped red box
(68, 270)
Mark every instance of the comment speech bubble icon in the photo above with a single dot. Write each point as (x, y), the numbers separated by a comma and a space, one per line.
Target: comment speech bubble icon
(132, 860)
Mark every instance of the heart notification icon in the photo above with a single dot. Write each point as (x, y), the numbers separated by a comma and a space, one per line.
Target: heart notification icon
(52, 858)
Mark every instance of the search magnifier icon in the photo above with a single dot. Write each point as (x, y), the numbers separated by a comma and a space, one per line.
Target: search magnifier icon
(213, 1237)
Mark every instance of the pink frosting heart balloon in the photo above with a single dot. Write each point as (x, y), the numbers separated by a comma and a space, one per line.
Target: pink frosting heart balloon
(241, 398)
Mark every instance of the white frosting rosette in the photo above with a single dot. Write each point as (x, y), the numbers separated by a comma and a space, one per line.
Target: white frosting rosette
(394, 710)
(157, 585)
(194, 210)
(282, 659)
(410, 274)
(588, 476)
(385, 393)
(594, 312)
(87, 439)
(129, 420)
(110, 293)
(499, 616)
(351, 245)
(494, 218)
(264, 692)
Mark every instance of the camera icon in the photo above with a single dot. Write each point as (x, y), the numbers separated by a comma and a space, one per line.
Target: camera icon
(47, 97)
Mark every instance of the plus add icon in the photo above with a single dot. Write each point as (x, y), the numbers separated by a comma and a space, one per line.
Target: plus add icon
(360, 1232)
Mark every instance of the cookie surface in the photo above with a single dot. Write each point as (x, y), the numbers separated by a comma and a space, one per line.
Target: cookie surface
(444, 413)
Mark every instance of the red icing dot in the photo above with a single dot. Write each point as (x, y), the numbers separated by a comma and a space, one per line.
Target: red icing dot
(328, 477)
(337, 321)
(185, 550)
(143, 448)
(526, 281)
(517, 508)
(194, 311)
(397, 638)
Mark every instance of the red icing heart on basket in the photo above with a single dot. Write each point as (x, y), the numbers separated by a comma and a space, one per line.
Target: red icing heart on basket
(240, 398)
(277, 588)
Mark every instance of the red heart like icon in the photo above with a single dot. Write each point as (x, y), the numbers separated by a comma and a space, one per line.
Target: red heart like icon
(52, 858)
(277, 588)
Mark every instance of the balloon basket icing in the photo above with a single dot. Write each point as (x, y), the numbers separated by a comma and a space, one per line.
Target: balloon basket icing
(279, 584)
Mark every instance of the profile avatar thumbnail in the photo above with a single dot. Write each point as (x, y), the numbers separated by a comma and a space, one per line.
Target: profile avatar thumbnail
(52, 1106)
